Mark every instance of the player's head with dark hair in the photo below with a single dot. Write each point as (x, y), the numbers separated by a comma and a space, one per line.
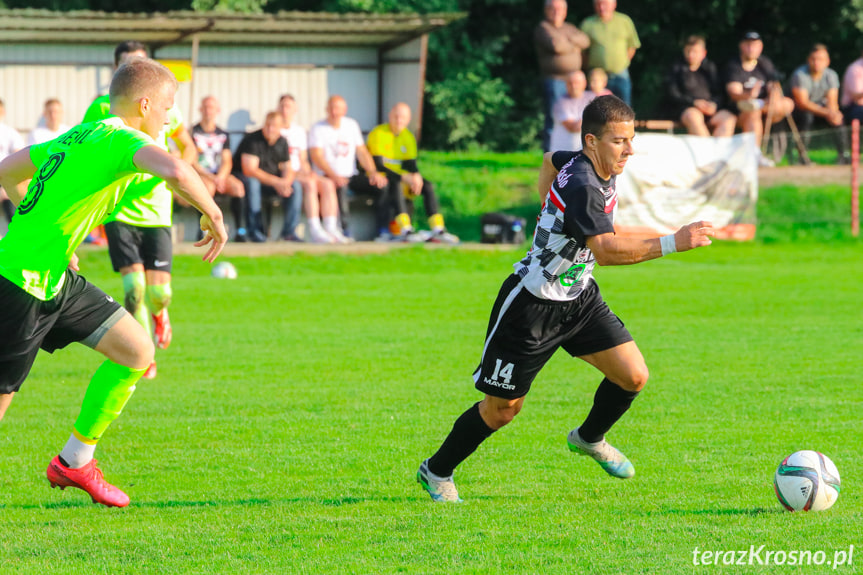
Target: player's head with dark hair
(602, 111)
(129, 47)
(607, 129)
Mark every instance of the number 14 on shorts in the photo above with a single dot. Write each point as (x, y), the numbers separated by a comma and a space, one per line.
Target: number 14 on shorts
(501, 371)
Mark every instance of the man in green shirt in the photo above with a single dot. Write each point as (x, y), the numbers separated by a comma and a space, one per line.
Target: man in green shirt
(139, 230)
(44, 303)
(613, 42)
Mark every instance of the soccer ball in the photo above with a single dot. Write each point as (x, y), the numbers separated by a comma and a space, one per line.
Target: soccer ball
(225, 271)
(806, 481)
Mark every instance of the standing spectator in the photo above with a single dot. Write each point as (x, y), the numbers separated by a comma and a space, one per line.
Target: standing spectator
(263, 164)
(751, 82)
(394, 150)
(558, 48)
(319, 194)
(50, 126)
(693, 93)
(10, 142)
(214, 160)
(815, 90)
(613, 42)
(566, 134)
(335, 146)
(852, 91)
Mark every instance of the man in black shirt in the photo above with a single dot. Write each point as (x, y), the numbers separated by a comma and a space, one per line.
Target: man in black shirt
(262, 163)
(752, 86)
(693, 93)
(552, 301)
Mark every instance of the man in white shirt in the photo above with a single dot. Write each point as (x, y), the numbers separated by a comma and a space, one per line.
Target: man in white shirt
(50, 126)
(10, 142)
(335, 146)
(319, 193)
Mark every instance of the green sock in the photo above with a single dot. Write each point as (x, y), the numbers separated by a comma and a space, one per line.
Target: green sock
(134, 286)
(158, 297)
(109, 390)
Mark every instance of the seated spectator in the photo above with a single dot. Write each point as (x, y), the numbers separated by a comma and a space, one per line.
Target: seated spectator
(335, 146)
(566, 133)
(215, 163)
(815, 90)
(394, 150)
(263, 164)
(597, 81)
(693, 93)
(50, 125)
(852, 92)
(751, 83)
(10, 142)
(319, 193)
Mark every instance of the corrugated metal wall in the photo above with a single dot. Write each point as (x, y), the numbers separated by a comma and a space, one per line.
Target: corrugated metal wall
(247, 80)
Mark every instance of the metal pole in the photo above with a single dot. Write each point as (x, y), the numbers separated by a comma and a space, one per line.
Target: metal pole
(855, 182)
(194, 65)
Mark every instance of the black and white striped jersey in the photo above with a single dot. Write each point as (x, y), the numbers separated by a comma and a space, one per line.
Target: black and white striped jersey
(579, 204)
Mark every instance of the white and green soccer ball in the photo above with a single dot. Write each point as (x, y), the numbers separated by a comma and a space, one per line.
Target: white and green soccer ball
(225, 271)
(806, 481)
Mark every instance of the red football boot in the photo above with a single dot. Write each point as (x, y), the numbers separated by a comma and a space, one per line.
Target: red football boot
(162, 329)
(90, 479)
(151, 372)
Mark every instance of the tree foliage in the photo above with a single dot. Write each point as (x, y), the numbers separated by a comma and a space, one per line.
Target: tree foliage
(482, 82)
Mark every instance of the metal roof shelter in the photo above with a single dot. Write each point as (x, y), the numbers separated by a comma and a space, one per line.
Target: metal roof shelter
(373, 60)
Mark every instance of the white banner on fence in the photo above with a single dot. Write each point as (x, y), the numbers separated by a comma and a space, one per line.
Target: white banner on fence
(671, 181)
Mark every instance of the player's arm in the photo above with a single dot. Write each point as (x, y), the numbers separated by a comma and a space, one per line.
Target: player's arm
(612, 250)
(183, 179)
(547, 173)
(14, 169)
(186, 145)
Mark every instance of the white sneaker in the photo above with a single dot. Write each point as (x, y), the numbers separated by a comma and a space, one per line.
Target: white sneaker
(444, 237)
(441, 489)
(765, 162)
(338, 237)
(319, 236)
(609, 458)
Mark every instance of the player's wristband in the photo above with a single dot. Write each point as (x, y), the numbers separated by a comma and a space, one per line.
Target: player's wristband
(668, 245)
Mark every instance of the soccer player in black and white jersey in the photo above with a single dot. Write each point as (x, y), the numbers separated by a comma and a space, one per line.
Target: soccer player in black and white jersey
(552, 301)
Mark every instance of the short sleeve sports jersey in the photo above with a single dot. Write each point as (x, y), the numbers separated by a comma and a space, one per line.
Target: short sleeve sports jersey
(70, 193)
(298, 144)
(210, 146)
(394, 149)
(339, 145)
(147, 201)
(559, 265)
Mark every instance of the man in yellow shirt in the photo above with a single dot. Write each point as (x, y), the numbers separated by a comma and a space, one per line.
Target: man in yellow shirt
(394, 150)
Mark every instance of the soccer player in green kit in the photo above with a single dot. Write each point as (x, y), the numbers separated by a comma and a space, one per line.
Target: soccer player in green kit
(139, 230)
(44, 303)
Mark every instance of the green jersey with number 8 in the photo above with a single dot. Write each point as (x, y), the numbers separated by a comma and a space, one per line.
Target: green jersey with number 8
(69, 195)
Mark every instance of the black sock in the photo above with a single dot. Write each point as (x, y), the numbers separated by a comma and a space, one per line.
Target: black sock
(609, 404)
(237, 205)
(9, 209)
(468, 431)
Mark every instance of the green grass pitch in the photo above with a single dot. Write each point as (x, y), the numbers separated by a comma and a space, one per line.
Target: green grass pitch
(289, 416)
